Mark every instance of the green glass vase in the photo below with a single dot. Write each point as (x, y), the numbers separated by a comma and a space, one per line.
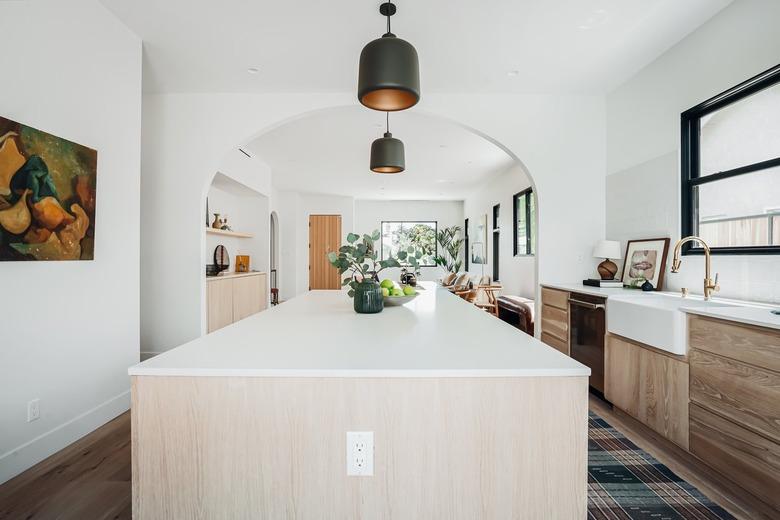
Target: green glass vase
(368, 297)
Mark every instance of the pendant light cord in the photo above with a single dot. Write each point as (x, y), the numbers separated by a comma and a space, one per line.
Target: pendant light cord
(387, 115)
(388, 18)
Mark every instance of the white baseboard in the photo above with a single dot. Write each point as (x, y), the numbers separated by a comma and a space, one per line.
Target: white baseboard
(32, 452)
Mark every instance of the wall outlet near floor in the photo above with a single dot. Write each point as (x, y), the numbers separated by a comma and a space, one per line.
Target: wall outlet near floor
(33, 410)
(360, 454)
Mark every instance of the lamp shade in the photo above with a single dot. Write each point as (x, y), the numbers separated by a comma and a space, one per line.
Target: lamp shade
(389, 75)
(607, 249)
(387, 155)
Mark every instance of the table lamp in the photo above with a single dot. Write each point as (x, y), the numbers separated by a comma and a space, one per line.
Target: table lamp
(607, 249)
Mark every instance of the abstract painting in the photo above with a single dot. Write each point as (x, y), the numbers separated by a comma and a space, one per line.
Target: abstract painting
(645, 261)
(478, 254)
(47, 196)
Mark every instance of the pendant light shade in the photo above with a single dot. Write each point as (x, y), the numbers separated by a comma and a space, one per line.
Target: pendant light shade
(389, 75)
(387, 153)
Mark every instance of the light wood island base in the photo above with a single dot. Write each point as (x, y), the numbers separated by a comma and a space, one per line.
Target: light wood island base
(454, 448)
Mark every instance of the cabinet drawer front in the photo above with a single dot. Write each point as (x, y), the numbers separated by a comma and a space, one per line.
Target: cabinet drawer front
(750, 460)
(554, 298)
(754, 345)
(555, 343)
(555, 322)
(747, 394)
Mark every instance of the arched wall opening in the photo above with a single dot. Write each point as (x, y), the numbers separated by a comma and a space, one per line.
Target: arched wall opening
(281, 201)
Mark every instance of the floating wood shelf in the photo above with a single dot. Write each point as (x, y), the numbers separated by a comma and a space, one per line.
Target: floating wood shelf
(213, 231)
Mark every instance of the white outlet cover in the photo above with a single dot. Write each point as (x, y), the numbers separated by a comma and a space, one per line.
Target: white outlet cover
(360, 454)
(33, 410)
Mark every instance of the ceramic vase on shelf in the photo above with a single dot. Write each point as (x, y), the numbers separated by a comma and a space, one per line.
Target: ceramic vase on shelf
(368, 297)
(217, 224)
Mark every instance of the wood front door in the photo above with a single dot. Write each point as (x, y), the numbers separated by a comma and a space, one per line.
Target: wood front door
(324, 236)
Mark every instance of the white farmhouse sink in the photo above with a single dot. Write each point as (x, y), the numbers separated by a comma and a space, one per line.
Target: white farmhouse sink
(654, 319)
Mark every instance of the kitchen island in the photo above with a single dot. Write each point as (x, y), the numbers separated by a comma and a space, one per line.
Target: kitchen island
(471, 418)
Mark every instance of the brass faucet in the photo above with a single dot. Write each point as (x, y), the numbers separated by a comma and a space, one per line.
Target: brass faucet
(709, 285)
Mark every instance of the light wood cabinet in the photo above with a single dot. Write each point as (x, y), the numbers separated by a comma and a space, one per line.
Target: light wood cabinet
(750, 460)
(555, 319)
(234, 298)
(735, 403)
(650, 386)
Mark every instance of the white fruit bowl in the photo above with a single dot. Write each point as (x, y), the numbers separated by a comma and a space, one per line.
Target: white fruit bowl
(393, 301)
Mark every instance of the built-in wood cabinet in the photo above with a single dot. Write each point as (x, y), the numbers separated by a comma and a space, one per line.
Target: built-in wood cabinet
(735, 403)
(649, 385)
(555, 319)
(233, 298)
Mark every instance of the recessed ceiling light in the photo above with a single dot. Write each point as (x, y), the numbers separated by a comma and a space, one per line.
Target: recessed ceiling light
(513, 73)
(253, 70)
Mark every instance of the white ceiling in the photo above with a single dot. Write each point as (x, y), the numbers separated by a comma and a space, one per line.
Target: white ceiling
(328, 152)
(582, 46)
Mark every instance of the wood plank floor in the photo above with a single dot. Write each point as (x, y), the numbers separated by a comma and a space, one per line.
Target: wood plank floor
(90, 479)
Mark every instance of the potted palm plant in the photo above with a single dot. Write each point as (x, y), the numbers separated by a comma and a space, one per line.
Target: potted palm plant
(358, 258)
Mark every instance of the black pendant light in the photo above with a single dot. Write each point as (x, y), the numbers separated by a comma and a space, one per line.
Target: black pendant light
(387, 153)
(389, 77)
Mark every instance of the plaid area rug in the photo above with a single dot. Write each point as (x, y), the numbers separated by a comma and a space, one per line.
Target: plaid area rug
(626, 483)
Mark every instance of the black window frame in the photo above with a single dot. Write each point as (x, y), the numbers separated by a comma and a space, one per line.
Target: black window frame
(496, 236)
(691, 164)
(466, 253)
(435, 233)
(528, 193)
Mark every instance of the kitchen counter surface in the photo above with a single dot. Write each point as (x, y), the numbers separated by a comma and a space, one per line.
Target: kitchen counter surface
(233, 275)
(586, 289)
(319, 335)
(749, 314)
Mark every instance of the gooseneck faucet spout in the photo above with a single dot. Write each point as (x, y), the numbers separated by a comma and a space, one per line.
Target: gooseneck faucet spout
(710, 285)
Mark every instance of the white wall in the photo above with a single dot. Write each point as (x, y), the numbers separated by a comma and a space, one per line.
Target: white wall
(517, 273)
(71, 329)
(369, 215)
(643, 139)
(560, 140)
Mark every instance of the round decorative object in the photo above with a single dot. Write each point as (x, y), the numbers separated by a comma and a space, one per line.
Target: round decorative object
(647, 286)
(368, 297)
(389, 71)
(607, 269)
(221, 258)
(387, 155)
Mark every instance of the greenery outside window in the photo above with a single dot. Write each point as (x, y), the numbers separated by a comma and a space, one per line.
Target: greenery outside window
(731, 169)
(400, 235)
(524, 205)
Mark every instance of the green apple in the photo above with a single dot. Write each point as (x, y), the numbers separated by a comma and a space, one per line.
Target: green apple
(397, 292)
(386, 284)
(385, 292)
(409, 290)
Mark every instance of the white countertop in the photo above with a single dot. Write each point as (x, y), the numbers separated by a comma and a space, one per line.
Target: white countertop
(318, 334)
(586, 289)
(227, 276)
(750, 315)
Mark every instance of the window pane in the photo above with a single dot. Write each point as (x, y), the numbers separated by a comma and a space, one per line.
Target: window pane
(743, 133)
(740, 211)
(532, 203)
(398, 236)
(520, 224)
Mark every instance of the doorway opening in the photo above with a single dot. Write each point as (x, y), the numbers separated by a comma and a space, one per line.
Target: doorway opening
(274, 257)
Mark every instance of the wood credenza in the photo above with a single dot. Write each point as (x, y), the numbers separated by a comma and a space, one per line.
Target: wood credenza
(233, 297)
